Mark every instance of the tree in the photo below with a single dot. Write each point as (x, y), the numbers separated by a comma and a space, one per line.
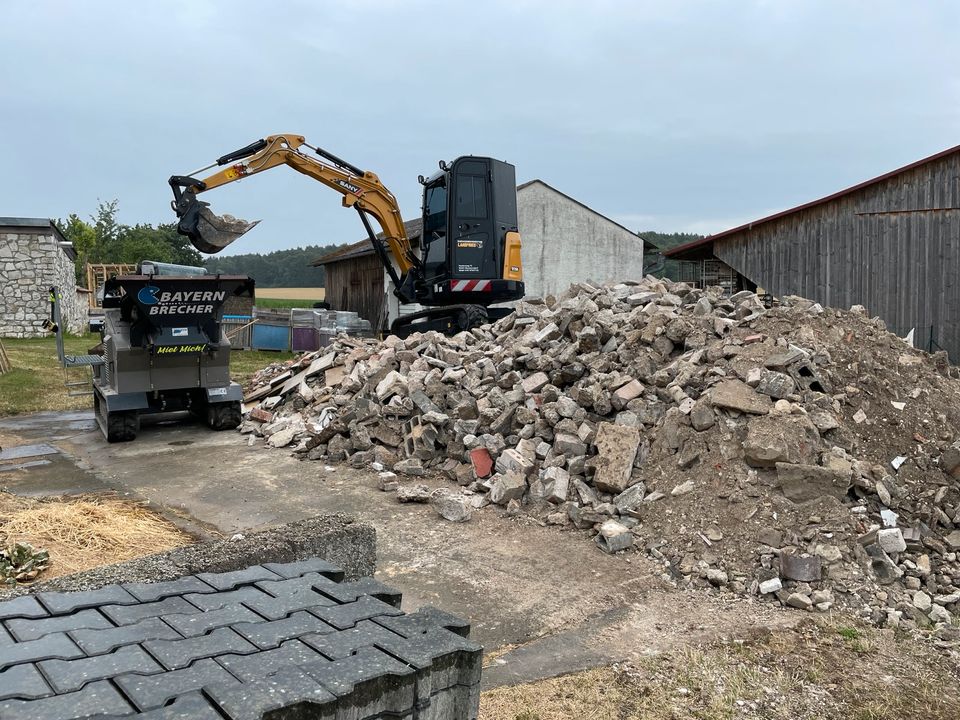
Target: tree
(280, 268)
(105, 240)
(162, 243)
(84, 239)
(107, 230)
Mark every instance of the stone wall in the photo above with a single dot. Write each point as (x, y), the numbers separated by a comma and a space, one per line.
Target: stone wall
(30, 262)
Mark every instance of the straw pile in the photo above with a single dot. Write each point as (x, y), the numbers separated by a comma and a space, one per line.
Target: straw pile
(87, 531)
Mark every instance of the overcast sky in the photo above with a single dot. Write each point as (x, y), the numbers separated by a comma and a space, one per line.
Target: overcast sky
(670, 116)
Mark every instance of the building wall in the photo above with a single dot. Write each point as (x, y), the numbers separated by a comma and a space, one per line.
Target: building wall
(564, 242)
(31, 260)
(893, 247)
(357, 284)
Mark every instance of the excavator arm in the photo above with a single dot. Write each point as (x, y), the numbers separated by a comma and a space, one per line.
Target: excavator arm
(361, 190)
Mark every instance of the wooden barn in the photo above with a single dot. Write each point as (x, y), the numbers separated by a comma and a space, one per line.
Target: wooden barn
(891, 244)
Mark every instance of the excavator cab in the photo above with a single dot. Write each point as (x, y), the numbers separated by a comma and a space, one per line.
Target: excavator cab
(469, 241)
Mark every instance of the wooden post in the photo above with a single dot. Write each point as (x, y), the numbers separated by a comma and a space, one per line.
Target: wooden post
(5, 365)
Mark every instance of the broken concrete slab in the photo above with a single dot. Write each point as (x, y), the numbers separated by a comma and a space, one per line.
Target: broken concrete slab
(737, 395)
(617, 448)
(453, 507)
(773, 439)
(803, 483)
(802, 568)
(507, 487)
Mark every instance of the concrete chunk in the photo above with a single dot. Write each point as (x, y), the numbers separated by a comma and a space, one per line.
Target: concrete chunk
(617, 448)
(557, 485)
(513, 461)
(534, 382)
(614, 537)
(803, 483)
(455, 508)
(507, 487)
(800, 567)
(891, 540)
(737, 395)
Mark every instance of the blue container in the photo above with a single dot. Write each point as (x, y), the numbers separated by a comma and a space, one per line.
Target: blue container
(271, 337)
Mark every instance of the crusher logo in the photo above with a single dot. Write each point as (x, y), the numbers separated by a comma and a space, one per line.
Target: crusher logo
(198, 302)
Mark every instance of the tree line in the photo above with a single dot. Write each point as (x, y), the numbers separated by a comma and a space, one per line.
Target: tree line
(103, 239)
(655, 243)
(280, 268)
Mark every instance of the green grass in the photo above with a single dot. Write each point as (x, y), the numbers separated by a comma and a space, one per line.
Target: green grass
(283, 303)
(848, 633)
(244, 363)
(36, 382)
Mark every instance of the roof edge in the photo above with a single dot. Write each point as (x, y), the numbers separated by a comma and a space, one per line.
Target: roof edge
(581, 204)
(709, 239)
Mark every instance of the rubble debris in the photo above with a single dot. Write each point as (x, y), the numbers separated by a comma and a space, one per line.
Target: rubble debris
(413, 493)
(452, 507)
(675, 414)
(616, 451)
(614, 537)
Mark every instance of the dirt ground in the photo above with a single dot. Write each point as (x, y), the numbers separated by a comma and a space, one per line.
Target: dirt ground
(545, 602)
(822, 668)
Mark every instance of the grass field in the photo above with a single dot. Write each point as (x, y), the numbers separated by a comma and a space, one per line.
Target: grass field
(282, 303)
(301, 297)
(822, 668)
(36, 381)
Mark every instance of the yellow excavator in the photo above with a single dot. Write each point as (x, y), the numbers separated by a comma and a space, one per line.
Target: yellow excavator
(469, 255)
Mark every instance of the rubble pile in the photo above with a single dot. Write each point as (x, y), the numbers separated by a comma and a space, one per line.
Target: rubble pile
(800, 454)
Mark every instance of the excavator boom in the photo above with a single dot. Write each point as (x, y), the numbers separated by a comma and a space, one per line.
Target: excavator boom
(361, 190)
(468, 258)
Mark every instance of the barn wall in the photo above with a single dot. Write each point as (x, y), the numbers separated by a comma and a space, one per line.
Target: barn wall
(357, 285)
(893, 247)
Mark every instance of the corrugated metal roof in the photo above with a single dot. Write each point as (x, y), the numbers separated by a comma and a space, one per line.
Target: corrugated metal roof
(710, 239)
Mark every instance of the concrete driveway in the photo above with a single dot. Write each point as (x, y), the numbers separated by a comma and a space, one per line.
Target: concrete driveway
(548, 597)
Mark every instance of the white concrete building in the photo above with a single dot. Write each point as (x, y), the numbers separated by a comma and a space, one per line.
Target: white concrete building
(34, 257)
(563, 242)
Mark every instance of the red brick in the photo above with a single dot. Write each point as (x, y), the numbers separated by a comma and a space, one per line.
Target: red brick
(261, 415)
(482, 462)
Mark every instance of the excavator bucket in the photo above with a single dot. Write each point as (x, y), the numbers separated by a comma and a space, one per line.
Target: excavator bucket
(208, 232)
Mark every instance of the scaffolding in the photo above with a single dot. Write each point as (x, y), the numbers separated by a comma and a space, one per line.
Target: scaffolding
(707, 273)
(98, 274)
